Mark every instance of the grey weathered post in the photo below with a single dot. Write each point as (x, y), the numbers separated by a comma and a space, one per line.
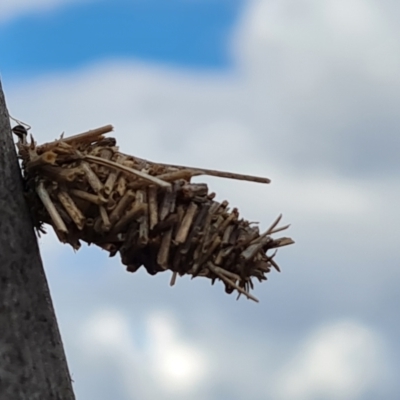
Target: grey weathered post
(32, 358)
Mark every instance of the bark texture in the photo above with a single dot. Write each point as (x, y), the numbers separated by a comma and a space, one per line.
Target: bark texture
(32, 359)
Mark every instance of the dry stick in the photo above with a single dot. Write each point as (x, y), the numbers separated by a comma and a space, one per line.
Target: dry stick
(113, 175)
(233, 216)
(49, 157)
(105, 218)
(227, 234)
(51, 209)
(121, 185)
(180, 174)
(190, 190)
(220, 273)
(143, 231)
(223, 253)
(233, 236)
(63, 148)
(140, 196)
(98, 225)
(173, 278)
(186, 223)
(253, 249)
(274, 264)
(246, 236)
(175, 189)
(204, 257)
(206, 229)
(211, 172)
(163, 252)
(218, 226)
(92, 198)
(281, 242)
(123, 168)
(60, 174)
(143, 222)
(170, 222)
(282, 228)
(180, 212)
(110, 247)
(89, 136)
(229, 274)
(92, 178)
(168, 203)
(214, 207)
(121, 206)
(267, 232)
(273, 225)
(73, 211)
(110, 182)
(137, 211)
(63, 214)
(186, 174)
(222, 174)
(106, 153)
(196, 228)
(153, 209)
(111, 204)
(263, 266)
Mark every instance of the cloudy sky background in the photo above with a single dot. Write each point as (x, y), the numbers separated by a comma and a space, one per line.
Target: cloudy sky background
(305, 92)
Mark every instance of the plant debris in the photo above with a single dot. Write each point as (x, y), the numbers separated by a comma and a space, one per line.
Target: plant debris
(149, 213)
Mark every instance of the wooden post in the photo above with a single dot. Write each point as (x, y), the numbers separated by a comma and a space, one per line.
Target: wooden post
(32, 358)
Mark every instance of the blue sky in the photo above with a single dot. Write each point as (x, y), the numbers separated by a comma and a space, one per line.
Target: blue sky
(304, 95)
(189, 34)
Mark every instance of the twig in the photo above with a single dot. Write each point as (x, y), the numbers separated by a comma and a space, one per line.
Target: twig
(153, 209)
(269, 231)
(73, 211)
(137, 211)
(280, 242)
(220, 273)
(273, 225)
(173, 278)
(168, 203)
(253, 249)
(89, 136)
(180, 174)
(222, 174)
(51, 209)
(60, 174)
(163, 252)
(282, 228)
(112, 176)
(123, 168)
(92, 198)
(121, 206)
(186, 223)
(92, 178)
(49, 157)
(105, 218)
(121, 185)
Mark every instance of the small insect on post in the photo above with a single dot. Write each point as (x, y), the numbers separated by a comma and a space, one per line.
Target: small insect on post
(149, 213)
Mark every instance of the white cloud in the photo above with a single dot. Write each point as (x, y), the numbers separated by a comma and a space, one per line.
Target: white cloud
(180, 365)
(164, 364)
(342, 360)
(107, 330)
(15, 8)
(316, 37)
